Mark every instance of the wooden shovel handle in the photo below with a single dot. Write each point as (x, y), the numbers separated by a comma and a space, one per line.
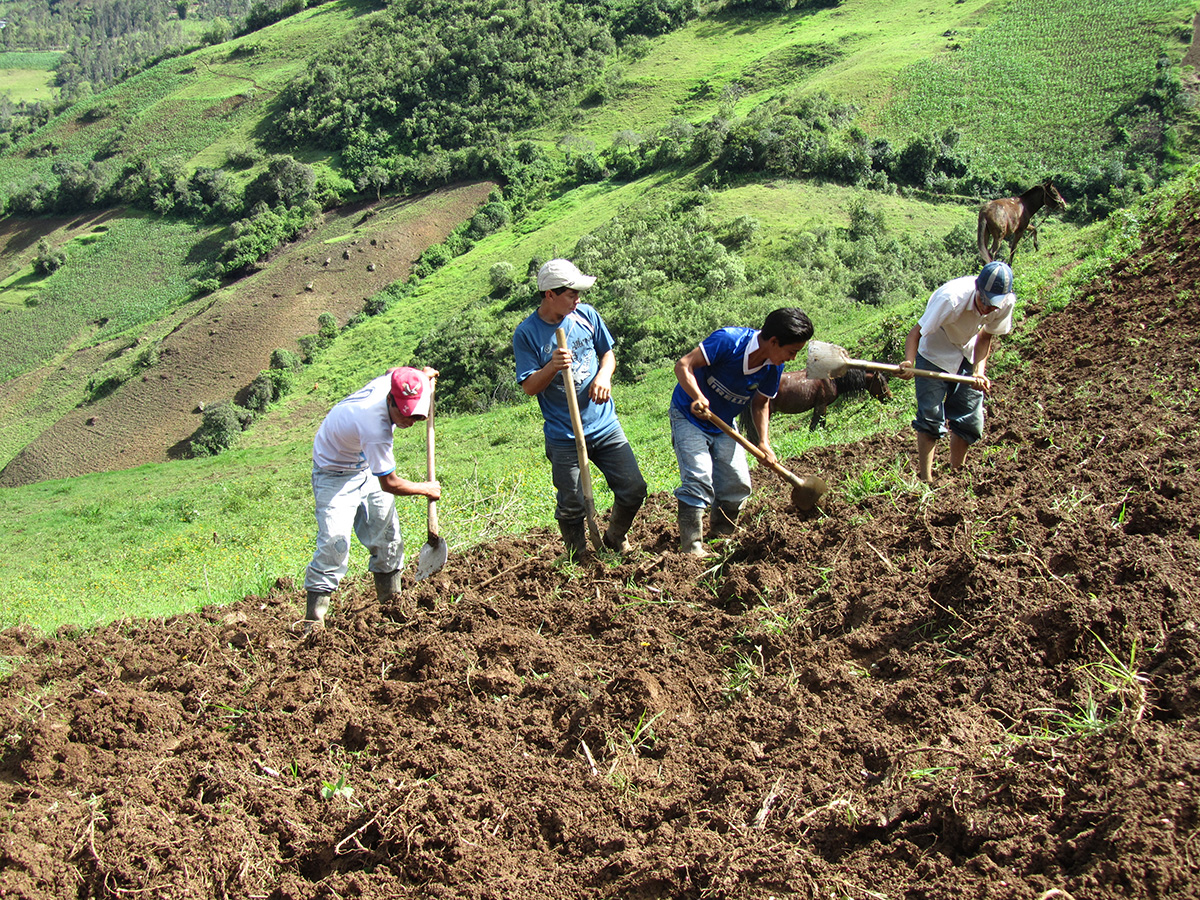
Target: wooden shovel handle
(585, 473)
(920, 373)
(429, 461)
(752, 448)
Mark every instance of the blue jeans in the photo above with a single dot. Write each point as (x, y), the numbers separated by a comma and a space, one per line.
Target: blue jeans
(947, 405)
(352, 502)
(613, 457)
(712, 467)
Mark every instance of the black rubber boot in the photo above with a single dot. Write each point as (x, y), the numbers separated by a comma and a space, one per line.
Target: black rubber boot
(387, 585)
(691, 530)
(620, 520)
(723, 521)
(317, 606)
(574, 539)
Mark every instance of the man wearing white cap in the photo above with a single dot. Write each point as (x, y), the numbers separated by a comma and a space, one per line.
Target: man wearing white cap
(589, 355)
(955, 334)
(355, 484)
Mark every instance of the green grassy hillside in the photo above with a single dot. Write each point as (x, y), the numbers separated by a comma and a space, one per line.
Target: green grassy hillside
(28, 77)
(160, 538)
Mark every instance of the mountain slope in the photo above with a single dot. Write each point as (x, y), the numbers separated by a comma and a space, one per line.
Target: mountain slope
(212, 351)
(987, 690)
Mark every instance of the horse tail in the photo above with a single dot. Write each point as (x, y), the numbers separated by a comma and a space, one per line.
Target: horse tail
(981, 235)
(746, 425)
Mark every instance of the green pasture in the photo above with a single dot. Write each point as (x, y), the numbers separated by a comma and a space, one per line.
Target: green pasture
(28, 76)
(1006, 76)
(852, 51)
(1011, 87)
(195, 107)
(124, 275)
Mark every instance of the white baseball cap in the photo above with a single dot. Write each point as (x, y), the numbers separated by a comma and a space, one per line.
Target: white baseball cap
(560, 273)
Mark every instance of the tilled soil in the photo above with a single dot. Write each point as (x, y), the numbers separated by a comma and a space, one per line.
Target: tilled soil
(987, 691)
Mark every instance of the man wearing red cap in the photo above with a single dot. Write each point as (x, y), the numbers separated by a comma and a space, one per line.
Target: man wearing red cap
(355, 484)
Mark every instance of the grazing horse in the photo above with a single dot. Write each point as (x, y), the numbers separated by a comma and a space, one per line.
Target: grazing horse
(1009, 218)
(798, 393)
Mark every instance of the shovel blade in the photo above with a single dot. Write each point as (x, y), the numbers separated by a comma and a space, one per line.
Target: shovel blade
(432, 558)
(808, 491)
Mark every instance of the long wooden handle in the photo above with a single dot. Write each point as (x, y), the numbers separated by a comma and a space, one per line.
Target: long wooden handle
(752, 448)
(429, 464)
(921, 373)
(585, 473)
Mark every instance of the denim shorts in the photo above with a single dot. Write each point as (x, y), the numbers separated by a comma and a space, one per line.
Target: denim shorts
(948, 405)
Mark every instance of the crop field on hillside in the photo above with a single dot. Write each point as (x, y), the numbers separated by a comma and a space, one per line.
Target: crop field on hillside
(1039, 72)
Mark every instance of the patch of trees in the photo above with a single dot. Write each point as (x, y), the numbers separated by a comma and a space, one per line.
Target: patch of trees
(426, 76)
(659, 271)
(107, 41)
(222, 423)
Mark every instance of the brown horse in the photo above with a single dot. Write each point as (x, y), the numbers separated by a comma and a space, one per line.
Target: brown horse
(1009, 218)
(799, 393)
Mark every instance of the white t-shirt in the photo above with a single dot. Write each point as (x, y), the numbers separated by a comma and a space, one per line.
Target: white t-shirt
(358, 432)
(950, 324)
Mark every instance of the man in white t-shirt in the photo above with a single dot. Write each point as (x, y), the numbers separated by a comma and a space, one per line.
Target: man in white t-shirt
(955, 335)
(355, 484)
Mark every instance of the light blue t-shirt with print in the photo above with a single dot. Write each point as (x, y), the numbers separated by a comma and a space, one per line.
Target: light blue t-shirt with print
(588, 338)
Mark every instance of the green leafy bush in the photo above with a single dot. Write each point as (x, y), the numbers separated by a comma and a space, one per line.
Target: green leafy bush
(48, 259)
(219, 428)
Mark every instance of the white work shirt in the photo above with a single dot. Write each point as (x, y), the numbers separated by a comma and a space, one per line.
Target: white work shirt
(357, 433)
(950, 324)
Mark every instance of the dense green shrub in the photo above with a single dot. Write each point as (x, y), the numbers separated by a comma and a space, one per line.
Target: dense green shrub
(473, 355)
(285, 359)
(502, 276)
(260, 393)
(219, 428)
(262, 232)
(449, 74)
(48, 259)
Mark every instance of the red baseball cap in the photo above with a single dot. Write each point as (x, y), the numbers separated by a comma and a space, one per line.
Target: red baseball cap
(410, 392)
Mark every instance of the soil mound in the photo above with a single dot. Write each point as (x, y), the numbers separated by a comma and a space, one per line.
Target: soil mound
(987, 691)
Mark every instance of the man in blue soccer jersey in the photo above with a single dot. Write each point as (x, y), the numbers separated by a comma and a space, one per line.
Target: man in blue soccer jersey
(589, 355)
(730, 369)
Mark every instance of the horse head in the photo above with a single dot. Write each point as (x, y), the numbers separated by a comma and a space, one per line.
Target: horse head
(1054, 199)
(877, 386)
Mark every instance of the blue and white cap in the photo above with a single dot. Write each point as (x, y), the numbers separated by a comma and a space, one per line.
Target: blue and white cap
(994, 283)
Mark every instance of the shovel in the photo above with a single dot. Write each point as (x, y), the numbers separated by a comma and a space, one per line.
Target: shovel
(434, 553)
(585, 474)
(830, 361)
(807, 490)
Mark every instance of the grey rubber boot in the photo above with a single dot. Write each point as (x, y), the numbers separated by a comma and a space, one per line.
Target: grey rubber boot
(317, 606)
(723, 521)
(620, 520)
(574, 539)
(387, 585)
(691, 530)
